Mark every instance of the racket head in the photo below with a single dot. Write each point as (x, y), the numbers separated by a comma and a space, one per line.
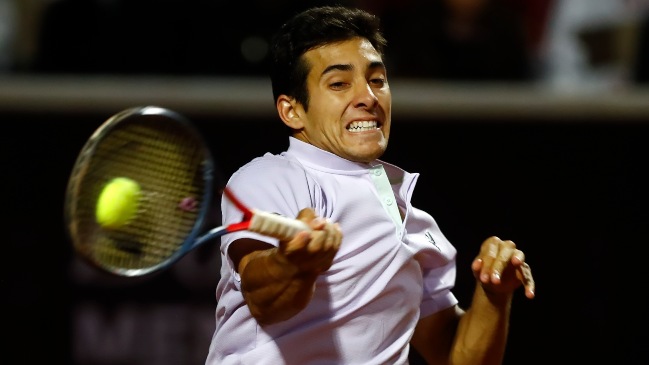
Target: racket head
(161, 151)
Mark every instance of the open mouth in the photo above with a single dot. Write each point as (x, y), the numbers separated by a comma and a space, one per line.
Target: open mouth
(362, 126)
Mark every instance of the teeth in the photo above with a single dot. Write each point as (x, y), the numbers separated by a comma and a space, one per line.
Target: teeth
(362, 126)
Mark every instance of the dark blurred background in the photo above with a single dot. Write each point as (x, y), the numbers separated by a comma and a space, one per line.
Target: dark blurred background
(527, 119)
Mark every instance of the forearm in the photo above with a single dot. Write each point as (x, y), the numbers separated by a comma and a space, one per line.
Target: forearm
(273, 288)
(482, 332)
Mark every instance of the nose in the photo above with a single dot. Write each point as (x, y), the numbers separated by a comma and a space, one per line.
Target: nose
(365, 96)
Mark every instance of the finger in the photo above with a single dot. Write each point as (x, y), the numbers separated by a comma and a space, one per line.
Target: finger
(318, 223)
(317, 242)
(518, 257)
(488, 256)
(525, 272)
(306, 215)
(505, 252)
(528, 280)
(330, 241)
(476, 265)
(339, 236)
(332, 238)
(298, 243)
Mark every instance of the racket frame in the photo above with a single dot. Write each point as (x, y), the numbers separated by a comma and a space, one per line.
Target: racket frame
(80, 170)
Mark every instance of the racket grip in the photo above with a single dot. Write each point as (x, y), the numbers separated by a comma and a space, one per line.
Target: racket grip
(275, 225)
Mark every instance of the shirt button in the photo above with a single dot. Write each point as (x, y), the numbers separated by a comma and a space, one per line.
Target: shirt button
(388, 201)
(377, 172)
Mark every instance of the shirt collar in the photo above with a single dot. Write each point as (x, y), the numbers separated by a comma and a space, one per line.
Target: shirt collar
(319, 159)
(316, 157)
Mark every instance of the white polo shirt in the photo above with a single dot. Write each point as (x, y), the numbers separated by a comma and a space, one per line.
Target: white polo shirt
(386, 275)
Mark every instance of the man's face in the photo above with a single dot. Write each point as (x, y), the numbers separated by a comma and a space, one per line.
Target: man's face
(350, 103)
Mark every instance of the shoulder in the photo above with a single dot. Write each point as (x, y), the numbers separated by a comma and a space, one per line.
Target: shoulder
(275, 183)
(268, 169)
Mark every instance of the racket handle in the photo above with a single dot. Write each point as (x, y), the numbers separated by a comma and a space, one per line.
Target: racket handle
(275, 225)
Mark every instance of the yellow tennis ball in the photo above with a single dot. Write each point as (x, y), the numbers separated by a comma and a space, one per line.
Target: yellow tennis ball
(118, 202)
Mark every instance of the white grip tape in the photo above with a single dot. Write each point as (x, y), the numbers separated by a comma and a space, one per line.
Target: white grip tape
(275, 225)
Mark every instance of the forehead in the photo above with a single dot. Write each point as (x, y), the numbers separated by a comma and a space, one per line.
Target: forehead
(355, 51)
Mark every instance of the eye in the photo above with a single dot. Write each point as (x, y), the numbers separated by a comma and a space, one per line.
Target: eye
(377, 82)
(338, 85)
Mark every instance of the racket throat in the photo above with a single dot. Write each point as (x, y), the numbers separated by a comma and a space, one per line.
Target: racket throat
(247, 213)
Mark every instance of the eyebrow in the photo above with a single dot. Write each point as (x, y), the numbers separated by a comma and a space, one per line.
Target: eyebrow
(349, 67)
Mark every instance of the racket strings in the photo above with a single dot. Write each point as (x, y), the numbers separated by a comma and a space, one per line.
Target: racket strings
(168, 162)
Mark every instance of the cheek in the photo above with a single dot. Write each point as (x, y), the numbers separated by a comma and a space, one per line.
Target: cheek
(326, 116)
(386, 131)
(386, 102)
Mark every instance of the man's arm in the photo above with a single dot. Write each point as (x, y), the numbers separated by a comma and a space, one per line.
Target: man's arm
(278, 282)
(479, 335)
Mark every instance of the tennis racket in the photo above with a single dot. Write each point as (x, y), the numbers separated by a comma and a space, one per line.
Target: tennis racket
(163, 152)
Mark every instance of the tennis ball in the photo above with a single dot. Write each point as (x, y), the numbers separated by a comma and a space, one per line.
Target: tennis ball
(118, 202)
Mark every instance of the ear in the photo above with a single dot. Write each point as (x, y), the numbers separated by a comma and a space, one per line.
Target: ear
(290, 112)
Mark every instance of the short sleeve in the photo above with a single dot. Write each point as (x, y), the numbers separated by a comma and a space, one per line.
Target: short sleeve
(270, 183)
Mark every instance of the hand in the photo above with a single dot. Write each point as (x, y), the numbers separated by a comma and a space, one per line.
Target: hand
(501, 268)
(312, 252)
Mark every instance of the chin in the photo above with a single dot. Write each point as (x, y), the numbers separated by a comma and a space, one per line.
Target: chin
(365, 150)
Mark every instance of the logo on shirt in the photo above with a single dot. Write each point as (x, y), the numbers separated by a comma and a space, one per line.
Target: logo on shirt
(432, 240)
